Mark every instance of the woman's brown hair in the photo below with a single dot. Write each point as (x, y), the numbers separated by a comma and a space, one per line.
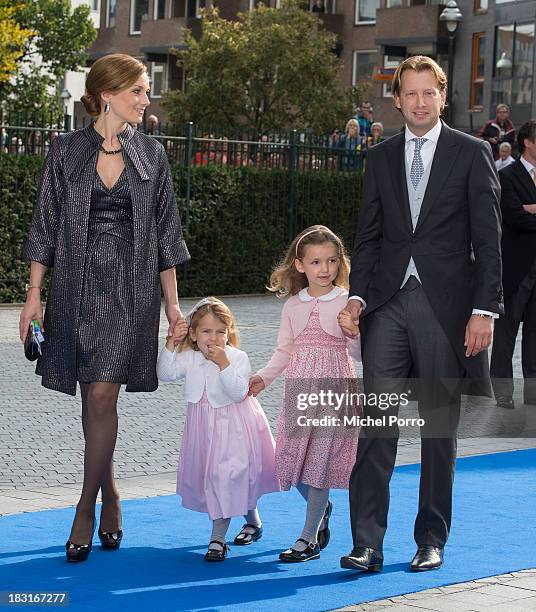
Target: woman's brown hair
(114, 72)
(222, 312)
(286, 280)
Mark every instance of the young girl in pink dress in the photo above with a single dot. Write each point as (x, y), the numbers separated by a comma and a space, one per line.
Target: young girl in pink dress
(311, 347)
(227, 451)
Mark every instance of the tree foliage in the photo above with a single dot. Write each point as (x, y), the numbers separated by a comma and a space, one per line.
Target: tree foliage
(56, 41)
(13, 39)
(271, 69)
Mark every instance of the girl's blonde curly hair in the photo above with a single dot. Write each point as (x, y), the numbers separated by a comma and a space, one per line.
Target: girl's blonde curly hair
(286, 280)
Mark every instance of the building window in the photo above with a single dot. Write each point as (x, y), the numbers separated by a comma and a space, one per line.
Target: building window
(365, 11)
(323, 6)
(390, 64)
(481, 6)
(477, 70)
(199, 6)
(94, 5)
(364, 65)
(253, 4)
(393, 3)
(514, 68)
(110, 14)
(178, 8)
(159, 9)
(158, 79)
(523, 65)
(139, 10)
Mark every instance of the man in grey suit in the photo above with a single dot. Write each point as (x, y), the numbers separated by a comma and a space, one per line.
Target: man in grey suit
(425, 286)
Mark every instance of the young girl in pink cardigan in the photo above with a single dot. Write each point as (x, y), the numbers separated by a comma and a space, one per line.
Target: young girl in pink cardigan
(311, 348)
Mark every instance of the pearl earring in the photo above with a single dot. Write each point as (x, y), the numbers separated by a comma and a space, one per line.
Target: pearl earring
(107, 107)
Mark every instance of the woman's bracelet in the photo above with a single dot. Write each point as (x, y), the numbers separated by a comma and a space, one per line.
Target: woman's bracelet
(28, 287)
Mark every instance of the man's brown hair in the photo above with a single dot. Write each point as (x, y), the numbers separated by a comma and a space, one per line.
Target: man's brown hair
(419, 63)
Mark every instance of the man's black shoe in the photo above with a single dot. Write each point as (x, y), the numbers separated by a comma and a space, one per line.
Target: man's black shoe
(427, 558)
(363, 558)
(505, 402)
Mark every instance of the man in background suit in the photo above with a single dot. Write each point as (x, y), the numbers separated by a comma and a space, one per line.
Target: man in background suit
(518, 205)
(425, 286)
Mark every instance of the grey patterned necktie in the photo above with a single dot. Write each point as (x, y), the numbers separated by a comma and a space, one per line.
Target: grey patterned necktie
(417, 166)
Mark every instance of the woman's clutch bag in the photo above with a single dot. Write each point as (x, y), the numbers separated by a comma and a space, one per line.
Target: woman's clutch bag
(33, 345)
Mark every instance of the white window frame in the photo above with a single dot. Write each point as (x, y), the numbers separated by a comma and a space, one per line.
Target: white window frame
(131, 24)
(355, 53)
(251, 5)
(95, 9)
(108, 3)
(131, 30)
(356, 16)
(162, 68)
(198, 8)
(389, 5)
(155, 10)
(386, 87)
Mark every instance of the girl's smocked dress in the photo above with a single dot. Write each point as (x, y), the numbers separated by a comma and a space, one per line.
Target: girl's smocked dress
(314, 360)
(322, 457)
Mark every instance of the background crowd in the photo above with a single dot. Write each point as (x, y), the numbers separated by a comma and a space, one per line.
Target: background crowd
(347, 147)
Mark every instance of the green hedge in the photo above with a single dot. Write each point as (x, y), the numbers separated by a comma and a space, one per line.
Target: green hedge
(240, 221)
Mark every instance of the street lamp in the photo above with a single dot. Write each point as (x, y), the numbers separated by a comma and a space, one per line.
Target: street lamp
(504, 62)
(65, 96)
(452, 16)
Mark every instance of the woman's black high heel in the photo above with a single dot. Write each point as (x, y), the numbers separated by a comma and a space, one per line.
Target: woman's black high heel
(79, 552)
(110, 540)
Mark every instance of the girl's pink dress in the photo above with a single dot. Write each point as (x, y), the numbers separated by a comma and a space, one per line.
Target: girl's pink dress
(226, 458)
(324, 457)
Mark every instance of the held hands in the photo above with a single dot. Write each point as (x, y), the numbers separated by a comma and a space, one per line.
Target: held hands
(173, 315)
(348, 318)
(530, 208)
(346, 322)
(217, 355)
(180, 331)
(478, 335)
(256, 385)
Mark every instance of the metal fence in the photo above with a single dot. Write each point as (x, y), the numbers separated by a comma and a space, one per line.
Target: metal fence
(256, 191)
(32, 134)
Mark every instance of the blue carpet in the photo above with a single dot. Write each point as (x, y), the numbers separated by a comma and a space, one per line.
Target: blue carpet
(160, 565)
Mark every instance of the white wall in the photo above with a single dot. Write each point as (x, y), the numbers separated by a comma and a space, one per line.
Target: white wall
(74, 81)
(95, 6)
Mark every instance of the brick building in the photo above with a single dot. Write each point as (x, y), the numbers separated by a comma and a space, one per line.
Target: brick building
(494, 46)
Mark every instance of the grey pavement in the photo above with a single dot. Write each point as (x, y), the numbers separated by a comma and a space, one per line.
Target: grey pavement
(41, 448)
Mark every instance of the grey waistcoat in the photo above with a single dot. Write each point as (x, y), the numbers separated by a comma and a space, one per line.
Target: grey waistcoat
(415, 197)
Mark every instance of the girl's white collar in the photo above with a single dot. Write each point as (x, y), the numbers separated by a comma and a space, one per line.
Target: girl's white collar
(305, 297)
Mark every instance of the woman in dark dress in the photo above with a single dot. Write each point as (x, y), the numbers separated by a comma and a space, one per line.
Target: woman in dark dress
(107, 222)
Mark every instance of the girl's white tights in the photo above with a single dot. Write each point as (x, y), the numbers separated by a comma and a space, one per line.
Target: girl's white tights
(317, 500)
(221, 526)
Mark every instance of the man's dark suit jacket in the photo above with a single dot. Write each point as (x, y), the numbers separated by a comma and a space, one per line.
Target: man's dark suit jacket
(519, 226)
(455, 245)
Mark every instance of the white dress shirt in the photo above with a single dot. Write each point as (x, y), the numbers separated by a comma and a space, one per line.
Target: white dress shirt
(528, 167)
(427, 154)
